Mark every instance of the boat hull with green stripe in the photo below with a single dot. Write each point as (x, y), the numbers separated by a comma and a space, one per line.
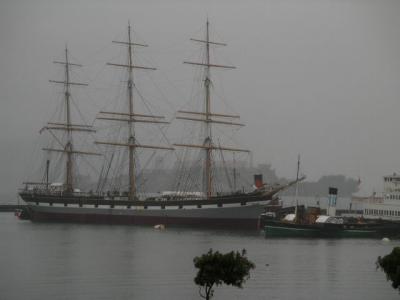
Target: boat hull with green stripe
(283, 229)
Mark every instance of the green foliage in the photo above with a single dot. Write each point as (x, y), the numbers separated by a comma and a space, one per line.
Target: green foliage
(215, 268)
(390, 264)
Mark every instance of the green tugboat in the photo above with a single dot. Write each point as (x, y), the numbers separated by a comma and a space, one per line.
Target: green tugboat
(322, 229)
(310, 223)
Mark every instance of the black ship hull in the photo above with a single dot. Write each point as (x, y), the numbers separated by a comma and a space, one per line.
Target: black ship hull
(238, 211)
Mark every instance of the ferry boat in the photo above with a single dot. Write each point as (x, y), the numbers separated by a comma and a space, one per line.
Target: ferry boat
(389, 208)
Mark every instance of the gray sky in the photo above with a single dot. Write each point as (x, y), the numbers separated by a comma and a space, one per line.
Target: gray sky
(319, 78)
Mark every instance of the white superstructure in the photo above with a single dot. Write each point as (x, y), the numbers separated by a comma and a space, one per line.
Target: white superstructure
(389, 209)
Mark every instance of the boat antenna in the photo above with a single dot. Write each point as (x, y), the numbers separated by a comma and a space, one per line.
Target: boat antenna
(234, 173)
(297, 179)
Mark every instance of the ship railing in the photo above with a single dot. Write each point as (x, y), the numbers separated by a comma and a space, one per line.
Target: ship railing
(57, 192)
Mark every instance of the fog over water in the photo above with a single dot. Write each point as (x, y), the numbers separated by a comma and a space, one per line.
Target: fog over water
(319, 78)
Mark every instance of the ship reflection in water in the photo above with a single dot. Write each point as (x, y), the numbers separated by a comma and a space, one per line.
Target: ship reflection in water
(74, 261)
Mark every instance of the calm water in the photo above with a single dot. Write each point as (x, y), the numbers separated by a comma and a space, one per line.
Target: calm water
(63, 261)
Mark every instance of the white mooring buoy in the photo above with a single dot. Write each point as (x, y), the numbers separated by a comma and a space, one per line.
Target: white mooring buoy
(386, 240)
(159, 226)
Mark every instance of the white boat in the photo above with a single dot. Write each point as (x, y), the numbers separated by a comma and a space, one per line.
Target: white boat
(389, 208)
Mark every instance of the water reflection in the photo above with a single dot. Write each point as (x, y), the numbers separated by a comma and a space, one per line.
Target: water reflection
(66, 261)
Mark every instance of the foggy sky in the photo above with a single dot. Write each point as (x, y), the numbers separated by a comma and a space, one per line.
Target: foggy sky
(319, 78)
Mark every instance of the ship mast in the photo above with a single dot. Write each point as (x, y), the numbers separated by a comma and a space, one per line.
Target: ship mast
(297, 188)
(297, 180)
(68, 146)
(131, 117)
(67, 126)
(132, 177)
(207, 141)
(207, 116)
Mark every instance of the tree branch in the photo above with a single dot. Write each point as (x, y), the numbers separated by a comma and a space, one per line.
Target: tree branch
(209, 291)
(201, 295)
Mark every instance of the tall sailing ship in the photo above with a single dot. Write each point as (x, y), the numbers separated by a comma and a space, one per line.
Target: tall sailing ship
(64, 202)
